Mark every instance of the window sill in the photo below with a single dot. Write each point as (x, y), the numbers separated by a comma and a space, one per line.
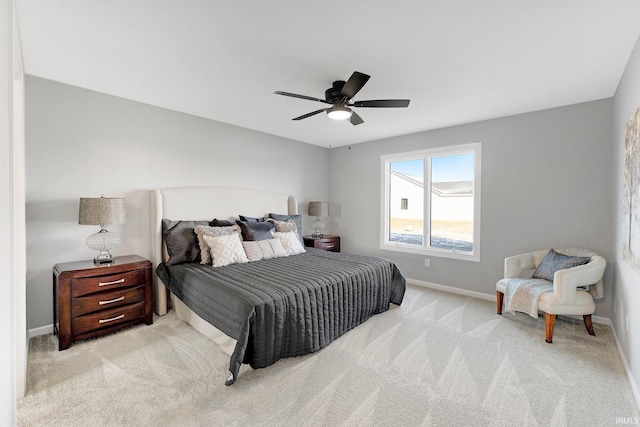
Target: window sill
(442, 253)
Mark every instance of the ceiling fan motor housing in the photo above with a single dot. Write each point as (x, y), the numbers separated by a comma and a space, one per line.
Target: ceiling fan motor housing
(333, 93)
(340, 95)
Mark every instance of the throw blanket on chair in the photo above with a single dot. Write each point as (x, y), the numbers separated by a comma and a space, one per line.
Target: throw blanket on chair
(523, 293)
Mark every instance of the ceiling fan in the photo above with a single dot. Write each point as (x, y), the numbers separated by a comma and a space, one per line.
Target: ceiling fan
(340, 95)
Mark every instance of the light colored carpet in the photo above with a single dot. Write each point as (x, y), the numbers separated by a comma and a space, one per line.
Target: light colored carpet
(438, 360)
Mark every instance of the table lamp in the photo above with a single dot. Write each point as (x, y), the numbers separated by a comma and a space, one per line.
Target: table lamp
(318, 209)
(102, 211)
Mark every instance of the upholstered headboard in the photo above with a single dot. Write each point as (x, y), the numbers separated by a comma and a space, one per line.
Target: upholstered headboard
(206, 203)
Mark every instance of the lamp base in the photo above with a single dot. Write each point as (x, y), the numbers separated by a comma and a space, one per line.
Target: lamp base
(103, 241)
(317, 235)
(317, 226)
(103, 258)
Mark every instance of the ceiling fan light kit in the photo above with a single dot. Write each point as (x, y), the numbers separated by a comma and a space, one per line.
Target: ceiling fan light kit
(339, 112)
(340, 94)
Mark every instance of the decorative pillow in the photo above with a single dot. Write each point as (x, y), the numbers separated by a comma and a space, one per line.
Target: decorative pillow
(221, 223)
(285, 226)
(290, 242)
(256, 230)
(181, 241)
(205, 230)
(263, 249)
(251, 219)
(226, 249)
(554, 262)
(295, 218)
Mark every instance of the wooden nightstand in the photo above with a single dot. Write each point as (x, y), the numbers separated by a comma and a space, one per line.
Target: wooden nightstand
(93, 300)
(326, 242)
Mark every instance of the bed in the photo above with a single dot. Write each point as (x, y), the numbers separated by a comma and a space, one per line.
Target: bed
(259, 312)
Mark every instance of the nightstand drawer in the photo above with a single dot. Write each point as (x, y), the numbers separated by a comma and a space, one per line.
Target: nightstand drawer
(90, 285)
(330, 245)
(326, 243)
(103, 300)
(106, 318)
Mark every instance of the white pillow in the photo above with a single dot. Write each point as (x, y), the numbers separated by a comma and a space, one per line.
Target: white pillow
(263, 249)
(290, 242)
(284, 226)
(205, 230)
(226, 249)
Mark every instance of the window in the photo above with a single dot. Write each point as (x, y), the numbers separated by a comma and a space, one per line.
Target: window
(444, 216)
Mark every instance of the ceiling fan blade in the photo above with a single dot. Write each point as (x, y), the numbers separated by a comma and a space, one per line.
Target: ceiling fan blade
(295, 95)
(382, 103)
(313, 113)
(355, 119)
(354, 84)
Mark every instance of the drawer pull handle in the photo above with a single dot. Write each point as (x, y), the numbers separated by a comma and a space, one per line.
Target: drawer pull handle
(111, 283)
(111, 301)
(111, 320)
(330, 246)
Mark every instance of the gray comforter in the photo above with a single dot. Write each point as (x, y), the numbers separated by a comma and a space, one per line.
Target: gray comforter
(289, 306)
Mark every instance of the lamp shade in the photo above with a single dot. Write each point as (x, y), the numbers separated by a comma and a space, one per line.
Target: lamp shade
(318, 209)
(101, 211)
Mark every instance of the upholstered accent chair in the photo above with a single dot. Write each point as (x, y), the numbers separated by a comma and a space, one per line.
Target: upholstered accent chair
(567, 297)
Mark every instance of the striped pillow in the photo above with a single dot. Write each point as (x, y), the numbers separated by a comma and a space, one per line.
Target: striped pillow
(263, 249)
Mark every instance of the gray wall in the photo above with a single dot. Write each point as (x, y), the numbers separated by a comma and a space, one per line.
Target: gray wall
(83, 144)
(626, 284)
(546, 182)
(550, 178)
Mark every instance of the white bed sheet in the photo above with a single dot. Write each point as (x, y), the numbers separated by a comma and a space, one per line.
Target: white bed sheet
(184, 313)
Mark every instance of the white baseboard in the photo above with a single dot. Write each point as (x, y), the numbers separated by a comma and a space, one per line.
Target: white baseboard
(48, 329)
(596, 319)
(634, 387)
(42, 330)
(452, 290)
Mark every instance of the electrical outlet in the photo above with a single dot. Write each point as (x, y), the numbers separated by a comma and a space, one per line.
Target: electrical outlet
(427, 262)
(626, 322)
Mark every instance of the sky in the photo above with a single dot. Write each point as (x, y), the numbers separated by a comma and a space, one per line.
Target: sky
(444, 169)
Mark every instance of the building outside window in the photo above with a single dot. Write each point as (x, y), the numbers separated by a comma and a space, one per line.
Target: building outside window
(444, 216)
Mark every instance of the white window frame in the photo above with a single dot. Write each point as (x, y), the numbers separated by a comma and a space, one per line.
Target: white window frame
(427, 154)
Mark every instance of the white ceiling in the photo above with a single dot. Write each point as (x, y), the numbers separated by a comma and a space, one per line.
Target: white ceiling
(459, 61)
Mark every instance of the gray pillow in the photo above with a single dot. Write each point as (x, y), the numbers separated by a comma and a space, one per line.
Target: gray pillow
(251, 219)
(221, 223)
(554, 262)
(256, 230)
(295, 218)
(181, 241)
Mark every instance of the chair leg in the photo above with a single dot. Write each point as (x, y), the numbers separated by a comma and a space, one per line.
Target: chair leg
(549, 323)
(499, 300)
(588, 324)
